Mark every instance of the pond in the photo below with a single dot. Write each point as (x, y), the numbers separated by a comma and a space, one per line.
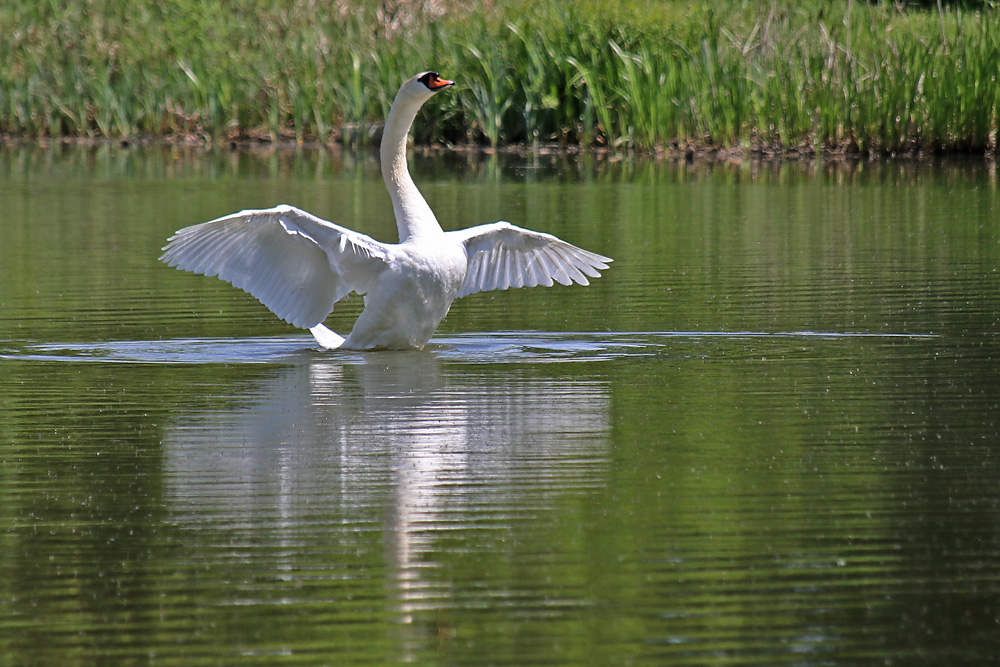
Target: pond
(768, 434)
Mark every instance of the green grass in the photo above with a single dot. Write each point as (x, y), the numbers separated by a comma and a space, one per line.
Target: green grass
(622, 74)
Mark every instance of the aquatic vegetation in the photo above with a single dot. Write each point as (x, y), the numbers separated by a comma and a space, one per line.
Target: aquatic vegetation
(624, 74)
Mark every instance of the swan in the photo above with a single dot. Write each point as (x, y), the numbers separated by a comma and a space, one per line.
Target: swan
(299, 265)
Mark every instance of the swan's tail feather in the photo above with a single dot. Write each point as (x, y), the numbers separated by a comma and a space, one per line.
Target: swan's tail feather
(326, 338)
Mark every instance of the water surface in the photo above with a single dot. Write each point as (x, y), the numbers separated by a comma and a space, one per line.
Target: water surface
(768, 435)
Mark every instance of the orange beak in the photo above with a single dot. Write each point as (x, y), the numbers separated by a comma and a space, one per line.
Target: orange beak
(437, 83)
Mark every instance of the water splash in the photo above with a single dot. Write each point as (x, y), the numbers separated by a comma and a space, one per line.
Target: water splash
(495, 347)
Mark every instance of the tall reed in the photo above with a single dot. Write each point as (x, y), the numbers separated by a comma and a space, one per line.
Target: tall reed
(617, 73)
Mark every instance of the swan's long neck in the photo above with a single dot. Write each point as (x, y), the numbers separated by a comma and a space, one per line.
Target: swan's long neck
(414, 217)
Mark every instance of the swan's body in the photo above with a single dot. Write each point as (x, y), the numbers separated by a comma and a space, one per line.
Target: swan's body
(299, 265)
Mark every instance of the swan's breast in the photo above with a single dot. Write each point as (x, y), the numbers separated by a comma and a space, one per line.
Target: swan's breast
(411, 297)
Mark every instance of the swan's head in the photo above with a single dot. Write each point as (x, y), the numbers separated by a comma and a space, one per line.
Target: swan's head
(423, 85)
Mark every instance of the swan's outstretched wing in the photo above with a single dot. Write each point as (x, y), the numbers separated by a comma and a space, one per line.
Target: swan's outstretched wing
(296, 264)
(502, 255)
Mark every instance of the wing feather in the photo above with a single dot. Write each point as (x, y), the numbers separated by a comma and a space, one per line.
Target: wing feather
(517, 271)
(538, 276)
(294, 263)
(572, 270)
(503, 256)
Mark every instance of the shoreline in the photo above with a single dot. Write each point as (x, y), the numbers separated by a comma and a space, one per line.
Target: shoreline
(675, 151)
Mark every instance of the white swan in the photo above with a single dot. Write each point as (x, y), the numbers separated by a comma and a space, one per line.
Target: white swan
(299, 265)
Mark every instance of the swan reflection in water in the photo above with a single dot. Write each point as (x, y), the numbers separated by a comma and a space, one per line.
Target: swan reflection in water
(406, 443)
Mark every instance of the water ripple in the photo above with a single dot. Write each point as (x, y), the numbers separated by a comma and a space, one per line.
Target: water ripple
(495, 347)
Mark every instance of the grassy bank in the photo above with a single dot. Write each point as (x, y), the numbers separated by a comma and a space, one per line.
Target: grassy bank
(814, 75)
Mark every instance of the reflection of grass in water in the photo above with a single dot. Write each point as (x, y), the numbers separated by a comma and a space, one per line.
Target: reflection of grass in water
(615, 74)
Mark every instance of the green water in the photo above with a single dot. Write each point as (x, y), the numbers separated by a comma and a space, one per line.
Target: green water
(768, 435)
